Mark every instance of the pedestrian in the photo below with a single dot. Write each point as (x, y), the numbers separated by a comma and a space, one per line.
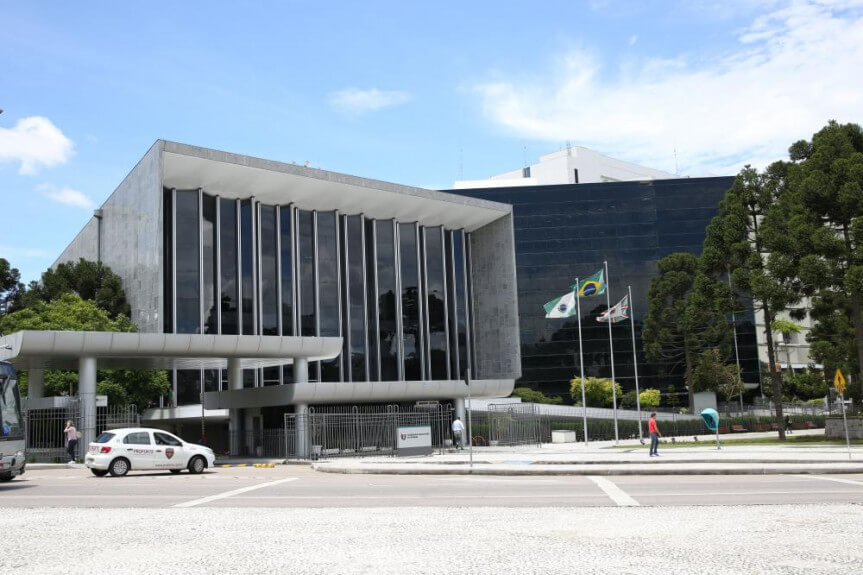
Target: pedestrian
(71, 439)
(457, 433)
(788, 423)
(654, 435)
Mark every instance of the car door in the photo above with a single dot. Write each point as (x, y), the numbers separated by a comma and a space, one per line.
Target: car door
(169, 452)
(138, 448)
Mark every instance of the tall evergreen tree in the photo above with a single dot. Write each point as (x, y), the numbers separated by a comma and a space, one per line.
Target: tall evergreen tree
(736, 241)
(818, 238)
(687, 315)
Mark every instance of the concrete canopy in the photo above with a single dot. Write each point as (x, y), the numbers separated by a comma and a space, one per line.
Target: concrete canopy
(62, 350)
(236, 176)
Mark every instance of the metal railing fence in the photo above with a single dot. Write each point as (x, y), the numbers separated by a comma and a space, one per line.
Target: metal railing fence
(46, 442)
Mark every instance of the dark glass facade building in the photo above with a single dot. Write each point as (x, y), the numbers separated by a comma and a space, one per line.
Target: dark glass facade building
(564, 231)
(395, 291)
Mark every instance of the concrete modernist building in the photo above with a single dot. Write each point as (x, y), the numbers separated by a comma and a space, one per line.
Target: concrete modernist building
(572, 165)
(418, 284)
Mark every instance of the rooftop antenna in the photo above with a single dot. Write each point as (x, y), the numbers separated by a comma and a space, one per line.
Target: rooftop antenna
(524, 155)
(568, 148)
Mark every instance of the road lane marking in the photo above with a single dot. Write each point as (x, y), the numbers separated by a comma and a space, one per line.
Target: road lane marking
(227, 494)
(614, 492)
(836, 479)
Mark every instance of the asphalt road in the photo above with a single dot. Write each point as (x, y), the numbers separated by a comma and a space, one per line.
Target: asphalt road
(298, 486)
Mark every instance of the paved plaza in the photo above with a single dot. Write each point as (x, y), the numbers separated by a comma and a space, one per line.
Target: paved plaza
(291, 518)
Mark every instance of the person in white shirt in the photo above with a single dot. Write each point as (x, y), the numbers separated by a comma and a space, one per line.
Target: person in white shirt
(457, 433)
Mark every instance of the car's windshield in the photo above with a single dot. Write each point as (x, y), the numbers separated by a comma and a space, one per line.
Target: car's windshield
(11, 419)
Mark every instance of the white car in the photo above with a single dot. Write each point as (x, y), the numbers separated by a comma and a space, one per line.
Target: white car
(118, 451)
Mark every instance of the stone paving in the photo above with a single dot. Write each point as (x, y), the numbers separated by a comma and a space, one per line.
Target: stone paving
(800, 539)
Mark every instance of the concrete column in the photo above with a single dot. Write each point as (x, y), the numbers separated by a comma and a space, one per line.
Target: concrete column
(302, 412)
(235, 422)
(87, 396)
(35, 383)
(301, 375)
(459, 409)
(301, 370)
(458, 403)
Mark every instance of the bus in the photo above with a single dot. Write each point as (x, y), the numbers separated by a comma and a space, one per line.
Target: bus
(12, 459)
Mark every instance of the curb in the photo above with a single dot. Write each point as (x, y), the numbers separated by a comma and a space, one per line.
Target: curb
(255, 465)
(827, 469)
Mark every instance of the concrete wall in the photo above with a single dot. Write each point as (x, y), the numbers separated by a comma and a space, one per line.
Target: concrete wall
(85, 245)
(495, 301)
(131, 239)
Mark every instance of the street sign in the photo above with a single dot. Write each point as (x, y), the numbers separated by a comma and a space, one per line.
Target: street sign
(839, 382)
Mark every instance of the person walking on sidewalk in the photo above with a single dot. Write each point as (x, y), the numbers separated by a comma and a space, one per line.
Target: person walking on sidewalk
(654, 435)
(457, 433)
(71, 440)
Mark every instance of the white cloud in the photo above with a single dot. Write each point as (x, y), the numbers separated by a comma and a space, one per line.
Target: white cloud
(792, 70)
(353, 101)
(633, 39)
(36, 143)
(67, 196)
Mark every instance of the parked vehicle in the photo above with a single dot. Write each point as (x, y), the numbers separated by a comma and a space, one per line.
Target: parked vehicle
(119, 451)
(12, 460)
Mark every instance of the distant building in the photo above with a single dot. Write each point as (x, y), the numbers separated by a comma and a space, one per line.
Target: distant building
(573, 165)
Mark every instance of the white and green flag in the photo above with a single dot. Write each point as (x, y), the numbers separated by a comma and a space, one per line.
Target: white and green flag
(617, 313)
(563, 306)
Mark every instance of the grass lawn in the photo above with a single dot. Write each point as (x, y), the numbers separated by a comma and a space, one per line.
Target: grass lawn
(707, 441)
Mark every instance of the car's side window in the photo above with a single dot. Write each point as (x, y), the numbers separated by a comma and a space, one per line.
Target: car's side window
(165, 439)
(137, 438)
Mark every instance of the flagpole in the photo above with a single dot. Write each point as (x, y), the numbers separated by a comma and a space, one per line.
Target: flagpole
(581, 360)
(611, 350)
(635, 363)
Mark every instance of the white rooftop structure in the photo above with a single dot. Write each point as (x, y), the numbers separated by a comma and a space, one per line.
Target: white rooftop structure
(573, 165)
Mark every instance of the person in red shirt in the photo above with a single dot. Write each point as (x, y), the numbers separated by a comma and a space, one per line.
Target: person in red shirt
(654, 435)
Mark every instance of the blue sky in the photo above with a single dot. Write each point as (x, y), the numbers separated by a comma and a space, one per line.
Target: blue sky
(415, 93)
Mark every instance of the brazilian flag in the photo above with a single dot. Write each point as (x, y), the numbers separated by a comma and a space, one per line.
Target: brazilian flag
(594, 285)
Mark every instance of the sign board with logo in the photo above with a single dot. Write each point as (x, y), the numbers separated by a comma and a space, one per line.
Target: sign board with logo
(413, 440)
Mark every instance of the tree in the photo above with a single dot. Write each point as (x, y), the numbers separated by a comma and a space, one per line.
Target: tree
(819, 240)
(533, 396)
(736, 240)
(597, 390)
(687, 314)
(10, 283)
(628, 400)
(90, 280)
(69, 312)
(649, 398)
(806, 386)
(713, 374)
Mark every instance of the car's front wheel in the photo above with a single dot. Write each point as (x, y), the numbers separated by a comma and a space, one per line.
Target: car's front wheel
(119, 467)
(197, 464)
(99, 472)
(6, 477)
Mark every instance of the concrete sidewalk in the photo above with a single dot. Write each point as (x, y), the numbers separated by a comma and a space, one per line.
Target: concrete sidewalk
(600, 458)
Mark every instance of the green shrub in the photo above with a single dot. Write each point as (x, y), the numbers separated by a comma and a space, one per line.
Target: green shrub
(533, 396)
(597, 390)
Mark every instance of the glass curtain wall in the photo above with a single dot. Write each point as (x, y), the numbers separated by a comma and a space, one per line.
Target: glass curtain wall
(410, 276)
(328, 288)
(397, 292)
(228, 266)
(436, 304)
(354, 248)
(286, 269)
(386, 291)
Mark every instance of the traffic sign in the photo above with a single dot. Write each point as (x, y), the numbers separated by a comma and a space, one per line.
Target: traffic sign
(839, 382)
